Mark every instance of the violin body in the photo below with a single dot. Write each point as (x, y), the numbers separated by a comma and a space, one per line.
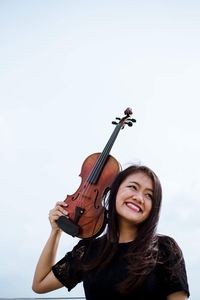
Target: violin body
(86, 211)
(89, 196)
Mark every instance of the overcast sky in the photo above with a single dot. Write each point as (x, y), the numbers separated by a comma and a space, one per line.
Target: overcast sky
(67, 69)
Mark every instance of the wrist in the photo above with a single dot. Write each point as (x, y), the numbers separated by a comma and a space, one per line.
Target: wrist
(55, 232)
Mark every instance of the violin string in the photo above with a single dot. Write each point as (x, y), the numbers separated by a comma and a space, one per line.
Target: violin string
(104, 155)
(94, 174)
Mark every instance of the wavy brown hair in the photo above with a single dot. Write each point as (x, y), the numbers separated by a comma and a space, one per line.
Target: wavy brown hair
(142, 254)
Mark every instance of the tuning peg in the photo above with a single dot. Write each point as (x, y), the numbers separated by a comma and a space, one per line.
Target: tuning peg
(132, 120)
(129, 123)
(118, 118)
(115, 123)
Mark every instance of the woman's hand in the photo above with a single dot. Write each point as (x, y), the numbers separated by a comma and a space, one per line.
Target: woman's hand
(58, 211)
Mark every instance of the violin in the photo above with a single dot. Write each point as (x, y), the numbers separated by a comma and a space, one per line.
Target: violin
(86, 212)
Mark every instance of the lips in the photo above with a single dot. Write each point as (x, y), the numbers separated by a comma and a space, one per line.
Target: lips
(134, 206)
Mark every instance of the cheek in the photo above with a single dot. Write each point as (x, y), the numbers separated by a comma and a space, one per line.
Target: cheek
(149, 206)
(118, 204)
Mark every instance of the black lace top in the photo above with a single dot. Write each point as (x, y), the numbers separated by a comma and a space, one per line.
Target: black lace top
(101, 284)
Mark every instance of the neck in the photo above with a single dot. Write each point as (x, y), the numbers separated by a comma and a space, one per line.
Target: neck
(127, 233)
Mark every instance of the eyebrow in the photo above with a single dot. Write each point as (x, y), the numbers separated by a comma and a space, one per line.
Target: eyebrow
(135, 182)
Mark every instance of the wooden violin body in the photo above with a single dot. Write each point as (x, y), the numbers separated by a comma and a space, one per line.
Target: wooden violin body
(87, 199)
(87, 214)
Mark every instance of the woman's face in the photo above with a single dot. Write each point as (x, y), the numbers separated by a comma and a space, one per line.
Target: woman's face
(134, 198)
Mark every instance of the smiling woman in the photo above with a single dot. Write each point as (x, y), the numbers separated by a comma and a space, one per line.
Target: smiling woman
(130, 260)
(134, 202)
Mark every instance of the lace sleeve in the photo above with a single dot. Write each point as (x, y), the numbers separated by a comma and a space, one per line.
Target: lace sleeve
(68, 269)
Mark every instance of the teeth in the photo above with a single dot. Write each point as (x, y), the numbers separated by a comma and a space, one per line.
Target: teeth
(133, 206)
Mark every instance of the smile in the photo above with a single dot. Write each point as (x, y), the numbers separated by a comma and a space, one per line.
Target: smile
(133, 206)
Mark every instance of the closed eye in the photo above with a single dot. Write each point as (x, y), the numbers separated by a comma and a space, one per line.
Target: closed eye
(150, 196)
(134, 187)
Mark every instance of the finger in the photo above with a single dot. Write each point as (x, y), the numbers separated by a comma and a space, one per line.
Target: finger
(61, 203)
(61, 209)
(55, 217)
(58, 212)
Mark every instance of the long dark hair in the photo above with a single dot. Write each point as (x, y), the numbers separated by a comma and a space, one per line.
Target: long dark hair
(142, 254)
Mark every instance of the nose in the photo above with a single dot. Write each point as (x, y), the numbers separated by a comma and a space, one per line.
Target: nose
(138, 197)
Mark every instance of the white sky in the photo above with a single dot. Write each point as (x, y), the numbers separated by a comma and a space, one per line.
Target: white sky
(67, 69)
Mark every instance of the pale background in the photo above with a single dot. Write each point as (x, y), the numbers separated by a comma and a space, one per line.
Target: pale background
(67, 69)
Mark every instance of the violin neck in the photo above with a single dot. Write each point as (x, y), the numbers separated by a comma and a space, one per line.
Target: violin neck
(94, 175)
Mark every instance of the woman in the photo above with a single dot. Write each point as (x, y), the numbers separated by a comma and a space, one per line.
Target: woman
(130, 261)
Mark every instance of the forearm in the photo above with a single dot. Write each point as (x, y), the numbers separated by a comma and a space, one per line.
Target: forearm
(44, 279)
(47, 257)
(178, 296)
